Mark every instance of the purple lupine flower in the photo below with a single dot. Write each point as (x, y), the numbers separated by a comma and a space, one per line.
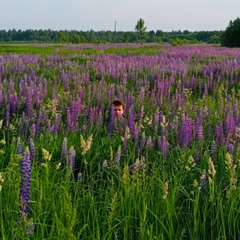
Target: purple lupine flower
(66, 84)
(13, 102)
(64, 151)
(213, 149)
(138, 165)
(152, 96)
(81, 94)
(131, 124)
(32, 148)
(69, 120)
(39, 118)
(71, 158)
(228, 109)
(163, 124)
(57, 124)
(111, 122)
(125, 143)
(149, 143)
(1, 97)
(156, 119)
(92, 113)
(100, 118)
(8, 114)
(110, 92)
(99, 96)
(197, 157)
(203, 182)
(169, 95)
(143, 141)
(142, 94)
(29, 105)
(19, 147)
(33, 128)
(141, 113)
(186, 132)
(230, 147)
(118, 156)
(84, 127)
(235, 112)
(199, 126)
(163, 145)
(24, 195)
(199, 133)
(75, 108)
(219, 133)
(230, 126)
(136, 136)
(49, 126)
(229, 97)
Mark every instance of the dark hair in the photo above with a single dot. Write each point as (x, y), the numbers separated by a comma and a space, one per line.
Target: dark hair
(118, 102)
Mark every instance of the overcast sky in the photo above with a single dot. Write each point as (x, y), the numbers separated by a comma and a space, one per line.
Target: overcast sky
(166, 15)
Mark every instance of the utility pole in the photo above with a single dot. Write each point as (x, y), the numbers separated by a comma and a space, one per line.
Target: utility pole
(115, 26)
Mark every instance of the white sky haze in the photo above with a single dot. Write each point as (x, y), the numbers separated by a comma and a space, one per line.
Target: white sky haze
(166, 15)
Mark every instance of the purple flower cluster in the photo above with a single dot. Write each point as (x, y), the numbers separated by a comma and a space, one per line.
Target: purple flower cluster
(213, 150)
(64, 151)
(163, 145)
(186, 132)
(19, 147)
(131, 117)
(32, 148)
(118, 156)
(71, 158)
(163, 83)
(138, 165)
(24, 195)
(203, 182)
(199, 127)
(111, 122)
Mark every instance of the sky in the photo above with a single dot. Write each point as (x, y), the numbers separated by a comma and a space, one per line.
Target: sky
(119, 15)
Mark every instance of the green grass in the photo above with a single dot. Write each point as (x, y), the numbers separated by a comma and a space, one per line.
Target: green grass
(61, 49)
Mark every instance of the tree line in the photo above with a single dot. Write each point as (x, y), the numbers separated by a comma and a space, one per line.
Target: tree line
(91, 36)
(229, 38)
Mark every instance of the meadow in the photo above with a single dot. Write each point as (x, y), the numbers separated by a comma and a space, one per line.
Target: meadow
(171, 174)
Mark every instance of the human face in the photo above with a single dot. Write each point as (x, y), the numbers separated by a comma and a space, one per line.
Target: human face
(118, 110)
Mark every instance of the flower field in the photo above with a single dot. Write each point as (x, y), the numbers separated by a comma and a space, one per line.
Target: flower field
(172, 173)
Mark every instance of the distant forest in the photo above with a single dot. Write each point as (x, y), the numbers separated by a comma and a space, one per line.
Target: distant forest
(75, 37)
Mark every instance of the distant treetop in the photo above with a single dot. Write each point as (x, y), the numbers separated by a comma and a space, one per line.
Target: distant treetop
(231, 36)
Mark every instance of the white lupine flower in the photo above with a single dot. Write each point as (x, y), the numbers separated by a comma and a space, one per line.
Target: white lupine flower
(86, 145)
(46, 155)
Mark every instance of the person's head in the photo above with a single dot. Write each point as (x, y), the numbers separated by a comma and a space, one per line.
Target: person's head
(118, 107)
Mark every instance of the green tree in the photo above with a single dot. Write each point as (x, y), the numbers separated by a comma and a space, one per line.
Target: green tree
(83, 39)
(214, 39)
(75, 38)
(141, 29)
(63, 37)
(152, 36)
(126, 37)
(92, 37)
(231, 36)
